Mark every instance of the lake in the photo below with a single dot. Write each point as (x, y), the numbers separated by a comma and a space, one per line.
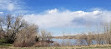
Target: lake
(71, 42)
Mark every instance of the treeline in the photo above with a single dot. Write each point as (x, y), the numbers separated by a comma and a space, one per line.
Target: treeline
(90, 38)
(15, 30)
(97, 38)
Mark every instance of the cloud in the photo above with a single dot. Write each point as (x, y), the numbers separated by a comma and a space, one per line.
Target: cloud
(67, 18)
(10, 5)
(1, 12)
(52, 11)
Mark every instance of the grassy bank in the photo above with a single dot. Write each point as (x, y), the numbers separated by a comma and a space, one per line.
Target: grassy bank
(63, 47)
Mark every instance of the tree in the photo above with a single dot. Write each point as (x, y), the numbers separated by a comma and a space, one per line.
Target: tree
(18, 31)
(45, 35)
(26, 36)
(1, 28)
(13, 25)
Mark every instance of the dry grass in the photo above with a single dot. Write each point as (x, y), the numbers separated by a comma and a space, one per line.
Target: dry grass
(63, 47)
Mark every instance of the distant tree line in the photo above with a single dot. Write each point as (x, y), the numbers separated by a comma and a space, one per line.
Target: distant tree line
(99, 38)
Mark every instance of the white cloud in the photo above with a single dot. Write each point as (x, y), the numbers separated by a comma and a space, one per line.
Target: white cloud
(56, 18)
(52, 11)
(1, 12)
(10, 5)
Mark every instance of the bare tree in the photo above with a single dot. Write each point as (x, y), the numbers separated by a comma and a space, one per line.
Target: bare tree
(13, 25)
(26, 36)
(18, 31)
(1, 28)
(45, 35)
(107, 33)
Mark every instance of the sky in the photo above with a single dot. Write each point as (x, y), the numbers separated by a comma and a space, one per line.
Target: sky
(61, 16)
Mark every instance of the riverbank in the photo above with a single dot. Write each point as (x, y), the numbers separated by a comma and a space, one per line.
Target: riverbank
(63, 47)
